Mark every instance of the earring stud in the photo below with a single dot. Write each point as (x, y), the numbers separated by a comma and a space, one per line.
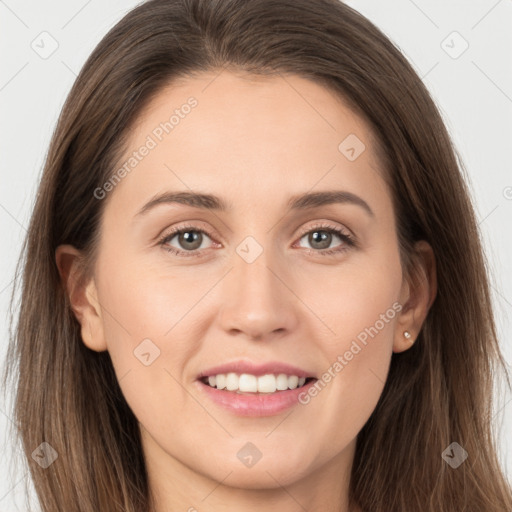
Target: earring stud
(407, 334)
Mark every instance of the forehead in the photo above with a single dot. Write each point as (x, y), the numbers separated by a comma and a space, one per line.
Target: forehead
(244, 135)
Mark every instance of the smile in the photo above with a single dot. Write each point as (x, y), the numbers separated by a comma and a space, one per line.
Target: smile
(246, 388)
(248, 383)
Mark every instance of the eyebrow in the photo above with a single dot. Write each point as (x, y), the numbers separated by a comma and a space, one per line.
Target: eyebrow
(308, 200)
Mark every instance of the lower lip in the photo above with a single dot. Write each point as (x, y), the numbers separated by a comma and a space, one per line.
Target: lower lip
(255, 404)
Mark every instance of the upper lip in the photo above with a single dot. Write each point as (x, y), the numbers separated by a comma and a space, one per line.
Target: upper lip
(257, 369)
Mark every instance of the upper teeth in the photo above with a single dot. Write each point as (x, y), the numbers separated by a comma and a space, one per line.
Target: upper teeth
(247, 383)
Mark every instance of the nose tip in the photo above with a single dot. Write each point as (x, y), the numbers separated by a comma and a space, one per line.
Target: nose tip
(257, 303)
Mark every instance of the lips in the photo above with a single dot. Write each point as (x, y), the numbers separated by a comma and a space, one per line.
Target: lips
(250, 389)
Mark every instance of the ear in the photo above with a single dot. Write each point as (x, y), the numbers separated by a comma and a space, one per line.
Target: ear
(418, 292)
(82, 294)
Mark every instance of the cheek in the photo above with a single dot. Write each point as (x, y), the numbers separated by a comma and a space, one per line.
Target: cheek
(360, 307)
(355, 300)
(352, 382)
(144, 309)
(143, 312)
(148, 299)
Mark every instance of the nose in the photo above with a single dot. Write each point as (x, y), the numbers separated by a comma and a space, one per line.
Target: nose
(258, 300)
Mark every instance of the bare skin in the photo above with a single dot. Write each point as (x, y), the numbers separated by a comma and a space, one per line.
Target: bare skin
(254, 142)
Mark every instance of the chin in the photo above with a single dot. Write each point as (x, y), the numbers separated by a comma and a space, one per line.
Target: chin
(265, 477)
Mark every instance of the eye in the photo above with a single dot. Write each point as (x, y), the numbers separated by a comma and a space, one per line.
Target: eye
(320, 238)
(189, 238)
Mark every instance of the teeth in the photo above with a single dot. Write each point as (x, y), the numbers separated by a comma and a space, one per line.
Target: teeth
(282, 382)
(268, 384)
(232, 381)
(220, 381)
(247, 383)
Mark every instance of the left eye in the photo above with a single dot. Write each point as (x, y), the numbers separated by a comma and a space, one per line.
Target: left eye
(324, 236)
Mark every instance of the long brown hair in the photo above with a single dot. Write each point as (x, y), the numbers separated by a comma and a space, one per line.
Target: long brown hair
(437, 392)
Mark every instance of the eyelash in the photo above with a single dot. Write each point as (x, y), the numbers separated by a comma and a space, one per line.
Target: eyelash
(348, 239)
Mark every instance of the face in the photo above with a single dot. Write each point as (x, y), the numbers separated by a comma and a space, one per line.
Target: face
(263, 292)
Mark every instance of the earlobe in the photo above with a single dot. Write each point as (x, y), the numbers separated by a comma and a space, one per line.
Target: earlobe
(418, 295)
(82, 294)
(403, 341)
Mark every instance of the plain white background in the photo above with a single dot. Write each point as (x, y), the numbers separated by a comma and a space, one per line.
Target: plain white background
(472, 87)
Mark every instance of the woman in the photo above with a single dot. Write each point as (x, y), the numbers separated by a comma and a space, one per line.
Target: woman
(325, 342)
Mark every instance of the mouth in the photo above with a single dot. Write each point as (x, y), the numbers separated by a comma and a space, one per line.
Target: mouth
(243, 388)
(249, 384)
